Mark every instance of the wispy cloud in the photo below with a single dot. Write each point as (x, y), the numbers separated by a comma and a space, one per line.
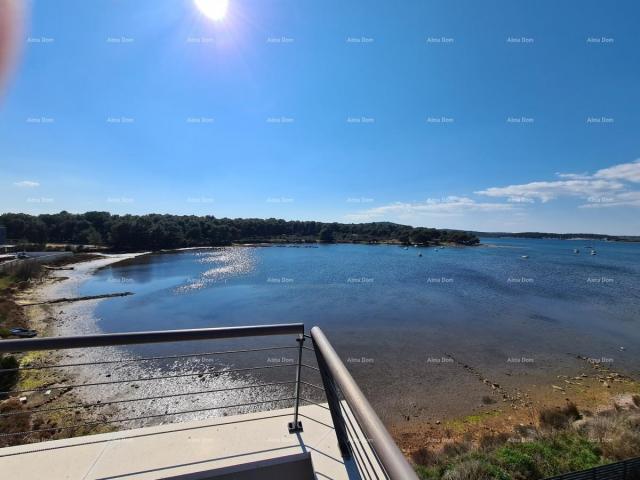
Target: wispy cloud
(545, 191)
(628, 172)
(623, 199)
(446, 207)
(573, 176)
(608, 187)
(27, 184)
(520, 200)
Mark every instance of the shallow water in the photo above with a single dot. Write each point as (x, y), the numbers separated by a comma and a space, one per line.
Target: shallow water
(393, 315)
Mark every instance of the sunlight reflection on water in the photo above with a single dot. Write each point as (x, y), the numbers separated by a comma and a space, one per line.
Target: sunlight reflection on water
(231, 262)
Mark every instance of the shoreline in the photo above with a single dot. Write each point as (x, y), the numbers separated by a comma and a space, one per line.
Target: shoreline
(118, 396)
(45, 388)
(591, 387)
(78, 318)
(61, 284)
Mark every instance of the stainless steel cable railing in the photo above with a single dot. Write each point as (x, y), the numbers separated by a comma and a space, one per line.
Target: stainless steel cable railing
(337, 379)
(360, 434)
(203, 372)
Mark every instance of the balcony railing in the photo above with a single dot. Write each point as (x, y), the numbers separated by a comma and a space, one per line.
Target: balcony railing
(624, 470)
(360, 434)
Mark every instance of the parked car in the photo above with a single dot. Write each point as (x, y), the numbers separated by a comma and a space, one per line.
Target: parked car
(22, 255)
(23, 332)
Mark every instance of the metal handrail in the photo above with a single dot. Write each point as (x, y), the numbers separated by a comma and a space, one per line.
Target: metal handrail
(391, 458)
(334, 374)
(133, 338)
(626, 469)
(166, 336)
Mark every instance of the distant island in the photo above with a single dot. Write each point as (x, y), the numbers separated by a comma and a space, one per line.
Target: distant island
(560, 236)
(158, 232)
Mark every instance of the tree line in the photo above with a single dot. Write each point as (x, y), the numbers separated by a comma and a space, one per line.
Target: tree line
(560, 236)
(157, 231)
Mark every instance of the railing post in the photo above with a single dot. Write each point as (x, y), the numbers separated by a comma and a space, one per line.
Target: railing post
(334, 406)
(296, 425)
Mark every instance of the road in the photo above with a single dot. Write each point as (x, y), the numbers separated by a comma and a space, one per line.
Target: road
(39, 257)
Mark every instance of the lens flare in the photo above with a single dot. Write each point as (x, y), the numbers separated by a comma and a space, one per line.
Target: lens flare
(214, 9)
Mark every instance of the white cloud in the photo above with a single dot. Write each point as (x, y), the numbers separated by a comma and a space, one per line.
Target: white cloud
(624, 199)
(27, 184)
(573, 176)
(545, 191)
(629, 172)
(448, 206)
(520, 200)
(607, 187)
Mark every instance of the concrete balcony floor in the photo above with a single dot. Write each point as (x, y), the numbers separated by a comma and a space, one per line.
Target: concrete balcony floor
(183, 449)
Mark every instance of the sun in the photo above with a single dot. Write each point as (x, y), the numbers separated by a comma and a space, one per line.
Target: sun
(213, 9)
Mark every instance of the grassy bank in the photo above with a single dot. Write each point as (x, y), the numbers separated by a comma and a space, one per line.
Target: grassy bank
(16, 279)
(566, 439)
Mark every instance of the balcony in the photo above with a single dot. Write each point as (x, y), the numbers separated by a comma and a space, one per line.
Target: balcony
(315, 429)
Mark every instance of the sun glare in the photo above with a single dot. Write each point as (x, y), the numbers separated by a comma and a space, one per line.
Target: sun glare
(213, 9)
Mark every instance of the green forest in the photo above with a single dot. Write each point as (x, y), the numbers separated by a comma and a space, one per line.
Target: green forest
(156, 231)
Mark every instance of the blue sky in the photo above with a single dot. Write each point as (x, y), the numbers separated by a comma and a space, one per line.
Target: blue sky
(498, 115)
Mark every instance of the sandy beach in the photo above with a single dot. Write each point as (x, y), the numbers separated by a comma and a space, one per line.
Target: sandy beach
(74, 318)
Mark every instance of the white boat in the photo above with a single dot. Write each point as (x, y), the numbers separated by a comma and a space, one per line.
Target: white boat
(575, 250)
(525, 256)
(593, 252)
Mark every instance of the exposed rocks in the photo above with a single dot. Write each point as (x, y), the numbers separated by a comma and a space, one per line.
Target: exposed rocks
(626, 401)
(76, 299)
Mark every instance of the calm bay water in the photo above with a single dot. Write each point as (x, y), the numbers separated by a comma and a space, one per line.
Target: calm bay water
(393, 315)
